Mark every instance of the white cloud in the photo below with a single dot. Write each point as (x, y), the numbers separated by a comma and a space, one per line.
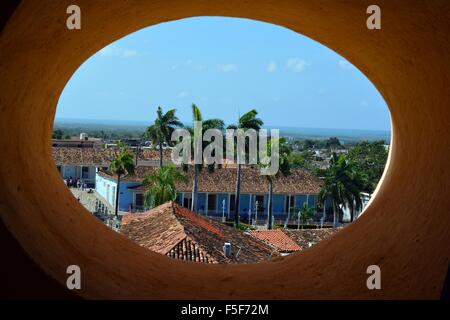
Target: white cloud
(114, 51)
(182, 94)
(271, 67)
(296, 64)
(229, 67)
(191, 65)
(345, 65)
(129, 53)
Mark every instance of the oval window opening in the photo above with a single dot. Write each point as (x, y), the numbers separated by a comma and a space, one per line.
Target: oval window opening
(284, 140)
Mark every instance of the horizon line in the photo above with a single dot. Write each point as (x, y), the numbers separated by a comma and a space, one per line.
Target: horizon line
(144, 123)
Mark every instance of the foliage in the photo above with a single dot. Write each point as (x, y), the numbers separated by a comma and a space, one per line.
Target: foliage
(284, 167)
(161, 185)
(306, 213)
(343, 184)
(123, 163)
(97, 131)
(302, 159)
(247, 121)
(333, 142)
(165, 123)
(370, 158)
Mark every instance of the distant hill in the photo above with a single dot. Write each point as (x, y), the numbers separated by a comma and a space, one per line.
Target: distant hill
(137, 127)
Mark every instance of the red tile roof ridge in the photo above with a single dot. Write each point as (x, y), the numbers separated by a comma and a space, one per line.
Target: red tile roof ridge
(130, 217)
(195, 218)
(276, 238)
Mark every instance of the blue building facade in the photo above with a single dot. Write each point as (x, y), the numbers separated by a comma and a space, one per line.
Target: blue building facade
(213, 204)
(106, 188)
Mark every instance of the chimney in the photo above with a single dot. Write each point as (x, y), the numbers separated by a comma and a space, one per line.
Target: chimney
(227, 249)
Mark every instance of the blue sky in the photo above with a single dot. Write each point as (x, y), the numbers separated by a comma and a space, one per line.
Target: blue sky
(226, 66)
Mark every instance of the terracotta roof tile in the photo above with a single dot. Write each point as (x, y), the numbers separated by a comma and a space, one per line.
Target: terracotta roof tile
(309, 237)
(276, 238)
(98, 156)
(224, 180)
(179, 233)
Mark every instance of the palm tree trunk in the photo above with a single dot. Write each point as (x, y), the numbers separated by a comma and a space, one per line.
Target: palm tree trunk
(116, 209)
(335, 217)
(195, 189)
(287, 219)
(160, 154)
(269, 204)
(238, 194)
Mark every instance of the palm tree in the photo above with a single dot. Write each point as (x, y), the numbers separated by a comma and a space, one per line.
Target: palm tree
(122, 164)
(304, 214)
(161, 131)
(343, 185)
(206, 124)
(358, 184)
(284, 169)
(247, 121)
(161, 185)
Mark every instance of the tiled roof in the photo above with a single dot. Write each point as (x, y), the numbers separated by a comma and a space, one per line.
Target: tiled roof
(224, 180)
(83, 156)
(309, 237)
(179, 233)
(276, 238)
(98, 156)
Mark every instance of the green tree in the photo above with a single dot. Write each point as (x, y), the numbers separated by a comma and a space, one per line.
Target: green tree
(122, 164)
(358, 180)
(332, 143)
(161, 131)
(302, 159)
(206, 124)
(343, 185)
(284, 169)
(304, 214)
(57, 134)
(370, 158)
(161, 185)
(247, 121)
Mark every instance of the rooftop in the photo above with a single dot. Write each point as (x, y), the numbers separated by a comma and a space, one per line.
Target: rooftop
(309, 237)
(100, 157)
(179, 233)
(277, 239)
(223, 180)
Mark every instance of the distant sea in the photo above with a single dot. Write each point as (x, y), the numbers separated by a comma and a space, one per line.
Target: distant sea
(345, 135)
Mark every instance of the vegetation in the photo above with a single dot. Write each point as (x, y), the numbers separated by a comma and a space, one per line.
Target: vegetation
(302, 159)
(206, 124)
(161, 131)
(343, 185)
(121, 165)
(304, 214)
(98, 131)
(247, 121)
(284, 169)
(370, 158)
(161, 185)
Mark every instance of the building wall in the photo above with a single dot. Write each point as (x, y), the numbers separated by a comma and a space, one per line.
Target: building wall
(105, 187)
(75, 172)
(248, 200)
